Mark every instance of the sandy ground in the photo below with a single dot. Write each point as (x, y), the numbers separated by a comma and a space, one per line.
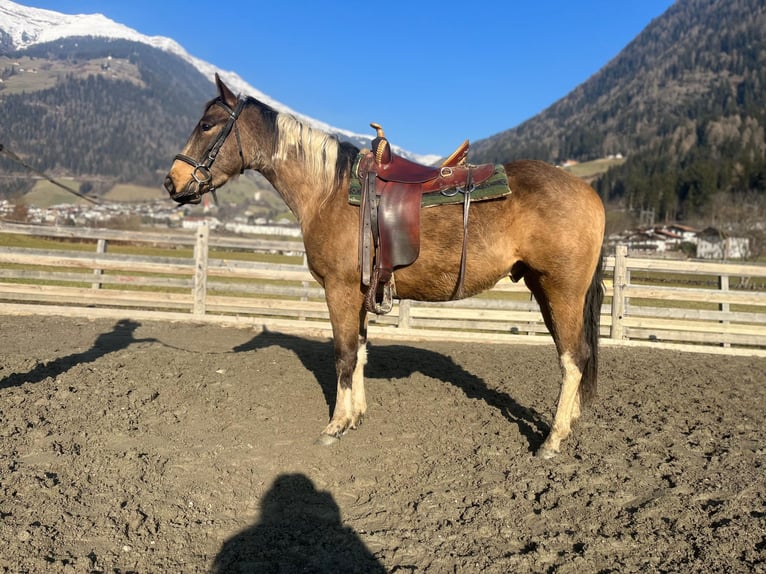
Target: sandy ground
(157, 447)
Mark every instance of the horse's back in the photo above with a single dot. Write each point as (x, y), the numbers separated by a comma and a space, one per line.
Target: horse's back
(551, 221)
(545, 195)
(543, 182)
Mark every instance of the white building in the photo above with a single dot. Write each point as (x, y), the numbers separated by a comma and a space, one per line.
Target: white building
(715, 244)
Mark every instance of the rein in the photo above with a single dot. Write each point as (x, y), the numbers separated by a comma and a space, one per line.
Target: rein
(8, 153)
(201, 173)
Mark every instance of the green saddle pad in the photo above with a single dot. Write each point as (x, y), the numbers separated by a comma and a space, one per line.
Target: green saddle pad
(494, 186)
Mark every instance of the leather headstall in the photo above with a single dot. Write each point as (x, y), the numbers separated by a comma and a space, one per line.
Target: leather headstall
(201, 173)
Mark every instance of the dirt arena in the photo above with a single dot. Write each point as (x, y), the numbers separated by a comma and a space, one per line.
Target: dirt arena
(166, 448)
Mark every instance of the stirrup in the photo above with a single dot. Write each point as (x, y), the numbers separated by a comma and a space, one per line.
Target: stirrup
(371, 302)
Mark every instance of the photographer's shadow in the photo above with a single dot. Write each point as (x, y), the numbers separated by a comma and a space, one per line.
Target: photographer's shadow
(299, 530)
(400, 362)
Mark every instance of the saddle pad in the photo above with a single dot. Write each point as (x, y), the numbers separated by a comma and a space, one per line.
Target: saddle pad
(495, 186)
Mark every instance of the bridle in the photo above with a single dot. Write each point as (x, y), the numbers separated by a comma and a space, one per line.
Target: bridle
(201, 173)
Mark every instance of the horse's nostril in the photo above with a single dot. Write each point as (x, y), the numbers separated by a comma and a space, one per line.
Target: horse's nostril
(171, 189)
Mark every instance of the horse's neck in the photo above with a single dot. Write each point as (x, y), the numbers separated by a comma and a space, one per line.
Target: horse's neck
(300, 196)
(302, 168)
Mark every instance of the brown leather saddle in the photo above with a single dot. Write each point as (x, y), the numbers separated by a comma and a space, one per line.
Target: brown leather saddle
(392, 188)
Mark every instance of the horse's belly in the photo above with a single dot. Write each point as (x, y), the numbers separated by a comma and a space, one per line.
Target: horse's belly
(423, 282)
(490, 252)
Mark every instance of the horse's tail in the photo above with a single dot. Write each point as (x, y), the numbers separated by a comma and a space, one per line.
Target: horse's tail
(591, 321)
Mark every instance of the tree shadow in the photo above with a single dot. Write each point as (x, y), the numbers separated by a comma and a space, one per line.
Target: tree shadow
(299, 530)
(121, 336)
(400, 362)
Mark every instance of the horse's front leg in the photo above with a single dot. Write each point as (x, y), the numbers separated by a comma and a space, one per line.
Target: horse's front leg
(349, 323)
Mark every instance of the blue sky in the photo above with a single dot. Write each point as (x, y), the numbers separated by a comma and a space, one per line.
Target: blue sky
(430, 74)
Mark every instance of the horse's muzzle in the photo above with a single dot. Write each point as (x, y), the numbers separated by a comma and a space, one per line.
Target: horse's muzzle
(192, 193)
(169, 186)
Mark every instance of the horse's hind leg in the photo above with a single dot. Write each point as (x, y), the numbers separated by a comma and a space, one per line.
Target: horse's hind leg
(562, 309)
(569, 403)
(349, 324)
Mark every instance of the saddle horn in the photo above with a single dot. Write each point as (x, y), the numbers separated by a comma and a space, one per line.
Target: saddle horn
(380, 147)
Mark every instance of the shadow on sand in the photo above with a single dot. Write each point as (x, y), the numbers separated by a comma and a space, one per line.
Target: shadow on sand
(299, 530)
(121, 336)
(400, 362)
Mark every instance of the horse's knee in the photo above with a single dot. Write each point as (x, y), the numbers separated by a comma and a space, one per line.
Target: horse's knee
(345, 365)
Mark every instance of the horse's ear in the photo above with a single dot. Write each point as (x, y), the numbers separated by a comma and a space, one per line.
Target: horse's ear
(224, 92)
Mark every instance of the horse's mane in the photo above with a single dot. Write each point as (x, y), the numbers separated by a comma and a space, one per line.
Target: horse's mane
(323, 156)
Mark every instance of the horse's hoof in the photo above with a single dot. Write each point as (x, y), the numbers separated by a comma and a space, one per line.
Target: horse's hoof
(358, 423)
(546, 453)
(326, 440)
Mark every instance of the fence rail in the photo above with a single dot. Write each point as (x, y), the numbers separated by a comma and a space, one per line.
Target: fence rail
(689, 305)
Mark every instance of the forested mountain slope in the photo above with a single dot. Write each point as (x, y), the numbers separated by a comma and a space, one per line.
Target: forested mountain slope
(685, 103)
(94, 107)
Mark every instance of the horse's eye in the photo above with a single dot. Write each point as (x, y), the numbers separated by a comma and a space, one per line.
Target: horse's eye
(205, 127)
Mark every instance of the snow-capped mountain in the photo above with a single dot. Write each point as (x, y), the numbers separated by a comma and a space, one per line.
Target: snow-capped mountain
(23, 26)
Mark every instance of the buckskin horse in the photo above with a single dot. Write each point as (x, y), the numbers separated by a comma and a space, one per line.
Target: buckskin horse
(547, 231)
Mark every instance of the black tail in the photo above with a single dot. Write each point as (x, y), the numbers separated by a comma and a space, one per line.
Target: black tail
(591, 321)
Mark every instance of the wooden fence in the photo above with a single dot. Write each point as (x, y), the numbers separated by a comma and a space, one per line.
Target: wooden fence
(689, 305)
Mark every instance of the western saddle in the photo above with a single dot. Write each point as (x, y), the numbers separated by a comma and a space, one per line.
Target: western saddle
(389, 212)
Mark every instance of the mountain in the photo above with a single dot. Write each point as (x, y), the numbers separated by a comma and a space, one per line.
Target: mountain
(82, 95)
(22, 27)
(684, 102)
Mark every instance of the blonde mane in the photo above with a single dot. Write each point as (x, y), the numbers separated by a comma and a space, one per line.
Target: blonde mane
(317, 150)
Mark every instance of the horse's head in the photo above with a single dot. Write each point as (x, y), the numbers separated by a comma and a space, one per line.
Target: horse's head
(210, 157)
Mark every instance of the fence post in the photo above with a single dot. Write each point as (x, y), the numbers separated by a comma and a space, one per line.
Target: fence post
(404, 314)
(100, 250)
(199, 287)
(618, 292)
(304, 284)
(530, 323)
(723, 285)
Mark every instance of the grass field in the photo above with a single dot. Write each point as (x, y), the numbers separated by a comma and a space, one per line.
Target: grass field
(590, 169)
(246, 190)
(127, 193)
(84, 245)
(32, 74)
(45, 194)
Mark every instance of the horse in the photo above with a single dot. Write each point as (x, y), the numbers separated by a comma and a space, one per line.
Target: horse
(548, 231)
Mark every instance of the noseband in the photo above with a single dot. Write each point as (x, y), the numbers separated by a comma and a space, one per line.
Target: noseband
(201, 173)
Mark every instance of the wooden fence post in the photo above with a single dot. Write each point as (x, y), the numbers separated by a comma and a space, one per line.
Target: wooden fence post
(618, 292)
(199, 287)
(305, 284)
(723, 285)
(404, 313)
(100, 250)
